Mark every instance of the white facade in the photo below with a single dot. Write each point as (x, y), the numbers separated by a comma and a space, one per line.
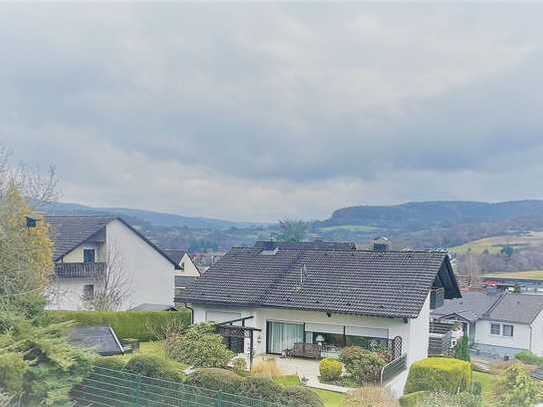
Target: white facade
(187, 267)
(414, 332)
(149, 275)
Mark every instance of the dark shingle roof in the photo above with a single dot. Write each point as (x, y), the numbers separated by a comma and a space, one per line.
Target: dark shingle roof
(506, 307)
(184, 281)
(316, 244)
(79, 270)
(471, 306)
(101, 339)
(392, 284)
(174, 254)
(68, 232)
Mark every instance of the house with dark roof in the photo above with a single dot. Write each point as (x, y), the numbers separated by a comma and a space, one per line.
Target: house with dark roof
(325, 297)
(89, 248)
(499, 324)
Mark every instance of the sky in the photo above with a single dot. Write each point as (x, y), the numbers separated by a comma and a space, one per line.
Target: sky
(260, 111)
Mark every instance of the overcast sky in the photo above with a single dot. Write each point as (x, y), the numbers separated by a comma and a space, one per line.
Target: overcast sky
(260, 111)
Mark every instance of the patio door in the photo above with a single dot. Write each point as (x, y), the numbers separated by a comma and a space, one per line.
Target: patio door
(282, 336)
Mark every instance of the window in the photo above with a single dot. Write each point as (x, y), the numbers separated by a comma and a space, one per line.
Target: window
(507, 330)
(88, 291)
(282, 336)
(89, 255)
(495, 329)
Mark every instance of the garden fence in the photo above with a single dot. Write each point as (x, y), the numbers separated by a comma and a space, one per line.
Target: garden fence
(114, 388)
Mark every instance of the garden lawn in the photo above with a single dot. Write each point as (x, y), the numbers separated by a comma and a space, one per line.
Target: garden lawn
(488, 382)
(146, 348)
(330, 398)
(288, 380)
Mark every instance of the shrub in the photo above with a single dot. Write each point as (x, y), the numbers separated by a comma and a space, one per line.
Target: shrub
(370, 396)
(516, 388)
(303, 397)
(143, 326)
(263, 388)
(156, 367)
(239, 366)
(439, 374)
(110, 362)
(200, 346)
(12, 372)
(266, 368)
(216, 379)
(414, 399)
(330, 369)
(363, 366)
(529, 358)
(462, 349)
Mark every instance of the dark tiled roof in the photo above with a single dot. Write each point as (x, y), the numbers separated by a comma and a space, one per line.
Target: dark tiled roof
(174, 254)
(471, 306)
(101, 339)
(184, 281)
(391, 284)
(317, 244)
(79, 270)
(506, 307)
(68, 232)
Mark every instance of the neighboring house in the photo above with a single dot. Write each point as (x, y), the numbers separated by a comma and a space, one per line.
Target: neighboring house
(86, 248)
(499, 324)
(186, 273)
(326, 296)
(523, 282)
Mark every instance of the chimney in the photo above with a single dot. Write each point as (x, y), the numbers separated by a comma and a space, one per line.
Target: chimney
(381, 244)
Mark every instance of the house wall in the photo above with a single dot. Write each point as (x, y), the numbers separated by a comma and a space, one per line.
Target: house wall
(502, 345)
(537, 335)
(150, 275)
(76, 255)
(188, 267)
(66, 294)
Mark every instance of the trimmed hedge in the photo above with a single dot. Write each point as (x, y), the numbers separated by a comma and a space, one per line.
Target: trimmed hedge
(156, 367)
(142, 326)
(414, 399)
(439, 374)
(254, 387)
(330, 369)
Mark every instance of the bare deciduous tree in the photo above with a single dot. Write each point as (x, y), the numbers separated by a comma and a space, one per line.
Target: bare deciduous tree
(111, 285)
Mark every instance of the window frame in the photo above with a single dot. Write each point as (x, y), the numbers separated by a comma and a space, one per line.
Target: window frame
(86, 294)
(88, 250)
(494, 324)
(512, 330)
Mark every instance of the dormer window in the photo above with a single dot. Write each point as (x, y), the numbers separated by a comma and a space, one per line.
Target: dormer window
(89, 256)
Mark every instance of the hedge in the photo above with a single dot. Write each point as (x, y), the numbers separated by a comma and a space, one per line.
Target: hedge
(142, 326)
(439, 374)
(156, 367)
(414, 399)
(529, 358)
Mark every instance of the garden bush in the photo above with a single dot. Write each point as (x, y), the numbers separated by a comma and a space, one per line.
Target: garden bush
(330, 369)
(156, 367)
(12, 372)
(299, 396)
(370, 396)
(143, 326)
(439, 374)
(263, 388)
(516, 388)
(200, 346)
(216, 379)
(239, 366)
(529, 358)
(362, 365)
(110, 362)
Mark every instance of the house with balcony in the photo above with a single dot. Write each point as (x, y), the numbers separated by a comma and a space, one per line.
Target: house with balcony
(310, 301)
(89, 248)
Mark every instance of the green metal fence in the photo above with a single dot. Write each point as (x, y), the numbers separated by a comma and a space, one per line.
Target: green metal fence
(114, 388)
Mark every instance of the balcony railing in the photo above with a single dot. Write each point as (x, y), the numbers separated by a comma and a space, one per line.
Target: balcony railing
(393, 369)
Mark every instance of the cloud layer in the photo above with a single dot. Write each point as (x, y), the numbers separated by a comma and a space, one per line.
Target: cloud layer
(258, 111)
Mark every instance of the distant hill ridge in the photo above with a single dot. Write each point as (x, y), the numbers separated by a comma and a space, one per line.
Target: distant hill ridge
(422, 215)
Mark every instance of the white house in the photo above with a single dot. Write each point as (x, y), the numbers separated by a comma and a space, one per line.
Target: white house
(324, 296)
(499, 324)
(86, 248)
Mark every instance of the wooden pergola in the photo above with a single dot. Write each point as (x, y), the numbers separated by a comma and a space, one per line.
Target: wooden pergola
(235, 335)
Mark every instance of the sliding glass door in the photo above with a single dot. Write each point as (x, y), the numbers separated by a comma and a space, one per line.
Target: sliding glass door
(282, 336)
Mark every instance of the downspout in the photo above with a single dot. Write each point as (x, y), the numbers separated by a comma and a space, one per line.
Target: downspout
(191, 313)
(531, 338)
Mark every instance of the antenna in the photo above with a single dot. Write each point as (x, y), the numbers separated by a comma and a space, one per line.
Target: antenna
(303, 272)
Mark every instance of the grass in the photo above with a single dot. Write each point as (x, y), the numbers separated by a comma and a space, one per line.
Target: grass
(488, 382)
(519, 275)
(496, 243)
(147, 348)
(330, 398)
(288, 380)
(349, 228)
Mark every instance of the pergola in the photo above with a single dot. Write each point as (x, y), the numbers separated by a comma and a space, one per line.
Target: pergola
(235, 335)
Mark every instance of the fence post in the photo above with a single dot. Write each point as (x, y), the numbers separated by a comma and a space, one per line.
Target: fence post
(220, 401)
(137, 395)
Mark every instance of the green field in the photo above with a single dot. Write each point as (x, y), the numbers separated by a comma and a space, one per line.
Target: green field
(496, 243)
(330, 398)
(520, 275)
